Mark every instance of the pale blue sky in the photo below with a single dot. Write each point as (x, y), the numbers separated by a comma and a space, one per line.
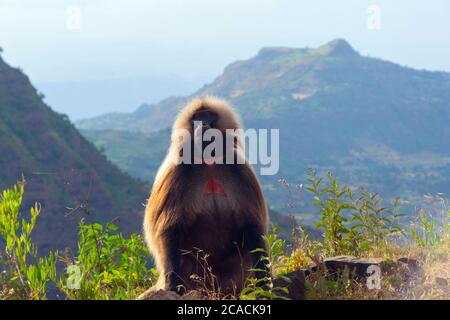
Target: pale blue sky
(193, 40)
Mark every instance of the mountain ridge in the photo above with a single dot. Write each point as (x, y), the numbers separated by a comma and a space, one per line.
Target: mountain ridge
(290, 63)
(328, 49)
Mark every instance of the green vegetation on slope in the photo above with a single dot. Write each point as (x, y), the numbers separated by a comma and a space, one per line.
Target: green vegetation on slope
(138, 154)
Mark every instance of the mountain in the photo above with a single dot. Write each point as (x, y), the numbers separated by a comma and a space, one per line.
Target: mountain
(63, 171)
(369, 121)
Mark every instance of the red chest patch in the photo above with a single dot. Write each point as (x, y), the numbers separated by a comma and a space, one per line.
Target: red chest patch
(213, 186)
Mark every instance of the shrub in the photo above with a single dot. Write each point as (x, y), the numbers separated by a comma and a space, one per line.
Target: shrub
(264, 288)
(353, 222)
(107, 265)
(24, 275)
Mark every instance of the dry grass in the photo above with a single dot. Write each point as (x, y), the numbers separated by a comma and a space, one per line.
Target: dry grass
(399, 281)
(434, 280)
(205, 280)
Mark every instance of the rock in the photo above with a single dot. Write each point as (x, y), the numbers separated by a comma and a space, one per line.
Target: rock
(295, 282)
(170, 295)
(442, 282)
(356, 266)
(159, 295)
(407, 268)
(412, 264)
(192, 295)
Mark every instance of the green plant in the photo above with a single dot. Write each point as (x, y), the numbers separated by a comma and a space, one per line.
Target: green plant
(323, 288)
(263, 288)
(277, 246)
(332, 201)
(108, 265)
(426, 234)
(372, 225)
(353, 222)
(24, 274)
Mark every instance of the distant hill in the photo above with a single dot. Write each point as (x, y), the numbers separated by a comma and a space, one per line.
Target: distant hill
(86, 98)
(63, 171)
(369, 121)
(139, 154)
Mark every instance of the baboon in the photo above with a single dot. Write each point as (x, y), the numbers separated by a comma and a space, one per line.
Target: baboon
(218, 209)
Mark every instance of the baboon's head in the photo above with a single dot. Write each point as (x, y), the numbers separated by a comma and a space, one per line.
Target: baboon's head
(208, 118)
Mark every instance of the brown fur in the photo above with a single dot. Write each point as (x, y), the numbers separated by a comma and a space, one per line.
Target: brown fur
(218, 225)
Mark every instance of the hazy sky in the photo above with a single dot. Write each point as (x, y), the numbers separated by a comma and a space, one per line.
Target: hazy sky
(195, 39)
